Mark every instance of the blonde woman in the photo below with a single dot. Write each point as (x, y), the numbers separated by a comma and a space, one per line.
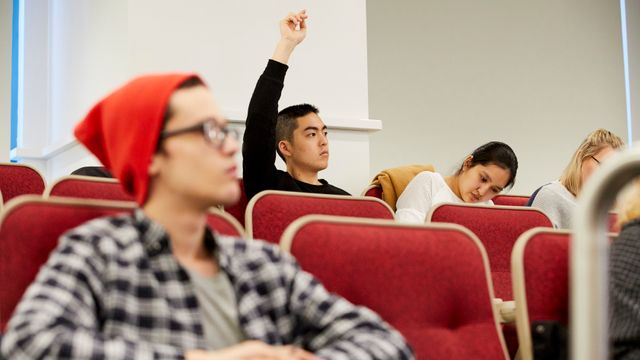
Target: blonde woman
(558, 199)
(624, 289)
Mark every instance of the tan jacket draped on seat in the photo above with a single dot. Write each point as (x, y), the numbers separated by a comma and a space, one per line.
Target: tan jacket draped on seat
(393, 181)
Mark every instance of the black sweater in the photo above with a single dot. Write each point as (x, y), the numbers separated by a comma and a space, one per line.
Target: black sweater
(259, 143)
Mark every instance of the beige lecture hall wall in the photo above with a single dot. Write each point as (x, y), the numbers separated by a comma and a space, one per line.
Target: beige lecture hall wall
(447, 76)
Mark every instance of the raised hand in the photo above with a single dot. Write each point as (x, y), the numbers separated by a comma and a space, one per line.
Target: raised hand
(293, 29)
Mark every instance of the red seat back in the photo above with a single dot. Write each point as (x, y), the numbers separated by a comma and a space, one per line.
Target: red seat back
(498, 228)
(88, 187)
(270, 212)
(19, 179)
(430, 282)
(373, 191)
(224, 223)
(237, 210)
(511, 200)
(540, 269)
(29, 230)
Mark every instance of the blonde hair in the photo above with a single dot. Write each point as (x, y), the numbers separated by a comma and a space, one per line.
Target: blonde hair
(599, 139)
(629, 204)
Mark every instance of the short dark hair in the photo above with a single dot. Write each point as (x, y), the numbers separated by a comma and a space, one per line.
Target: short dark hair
(287, 122)
(168, 112)
(496, 153)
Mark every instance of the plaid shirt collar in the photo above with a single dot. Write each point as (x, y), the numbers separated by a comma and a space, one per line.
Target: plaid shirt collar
(155, 239)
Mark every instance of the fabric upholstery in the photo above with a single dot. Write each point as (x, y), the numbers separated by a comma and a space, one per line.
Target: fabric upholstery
(510, 200)
(271, 214)
(498, 228)
(83, 187)
(546, 270)
(19, 180)
(430, 284)
(237, 210)
(224, 224)
(373, 191)
(28, 233)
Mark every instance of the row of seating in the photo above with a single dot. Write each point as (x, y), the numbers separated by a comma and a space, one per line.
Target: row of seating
(430, 281)
(270, 213)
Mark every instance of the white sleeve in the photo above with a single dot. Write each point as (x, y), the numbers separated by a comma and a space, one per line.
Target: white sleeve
(416, 200)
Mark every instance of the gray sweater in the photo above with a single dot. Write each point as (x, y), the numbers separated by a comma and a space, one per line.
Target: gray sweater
(557, 202)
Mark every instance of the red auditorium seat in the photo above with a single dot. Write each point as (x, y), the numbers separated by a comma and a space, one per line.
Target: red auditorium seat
(373, 191)
(431, 282)
(498, 228)
(238, 210)
(88, 187)
(270, 212)
(30, 227)
(224, 223)
(511, 200)
(19, 179)
(29, 230)
(540, 270)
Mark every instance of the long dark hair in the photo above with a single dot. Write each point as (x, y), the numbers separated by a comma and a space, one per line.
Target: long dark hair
(496, 153)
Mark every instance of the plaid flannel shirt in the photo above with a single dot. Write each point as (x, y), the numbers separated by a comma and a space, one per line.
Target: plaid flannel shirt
(113, 289)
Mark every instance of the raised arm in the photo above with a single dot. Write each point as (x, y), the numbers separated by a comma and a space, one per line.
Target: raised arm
(259, 143)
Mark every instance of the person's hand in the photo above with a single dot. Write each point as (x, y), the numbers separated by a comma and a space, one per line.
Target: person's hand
(294, 27)
(252, 350)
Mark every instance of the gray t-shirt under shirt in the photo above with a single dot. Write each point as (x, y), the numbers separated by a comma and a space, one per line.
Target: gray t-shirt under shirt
(218, 308)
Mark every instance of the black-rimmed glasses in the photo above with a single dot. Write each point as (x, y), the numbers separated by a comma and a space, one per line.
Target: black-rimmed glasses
(212, 133)
(596, 160)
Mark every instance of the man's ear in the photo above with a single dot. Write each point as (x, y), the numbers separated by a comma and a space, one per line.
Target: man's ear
(285, 148)
(154, 165)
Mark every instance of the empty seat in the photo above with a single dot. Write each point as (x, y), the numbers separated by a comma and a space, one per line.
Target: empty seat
(270, 212)
(511, 200)
(431, 282)
(540, 271)
(29, 230)
(498, 228)
(19, 179)
(88, 187)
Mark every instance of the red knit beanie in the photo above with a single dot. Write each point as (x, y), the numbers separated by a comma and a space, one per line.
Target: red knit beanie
(123, 129)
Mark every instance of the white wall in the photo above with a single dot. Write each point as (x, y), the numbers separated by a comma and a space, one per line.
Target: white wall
(93, 46)
(6, 13)
(633, 49)
(447, 76)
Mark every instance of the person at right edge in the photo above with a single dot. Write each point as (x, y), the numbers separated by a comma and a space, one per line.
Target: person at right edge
(297, 133)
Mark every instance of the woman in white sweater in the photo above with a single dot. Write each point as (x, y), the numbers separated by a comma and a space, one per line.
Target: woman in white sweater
(484, 173)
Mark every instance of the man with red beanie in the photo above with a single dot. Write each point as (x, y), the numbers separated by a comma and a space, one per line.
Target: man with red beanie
(159, 283)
